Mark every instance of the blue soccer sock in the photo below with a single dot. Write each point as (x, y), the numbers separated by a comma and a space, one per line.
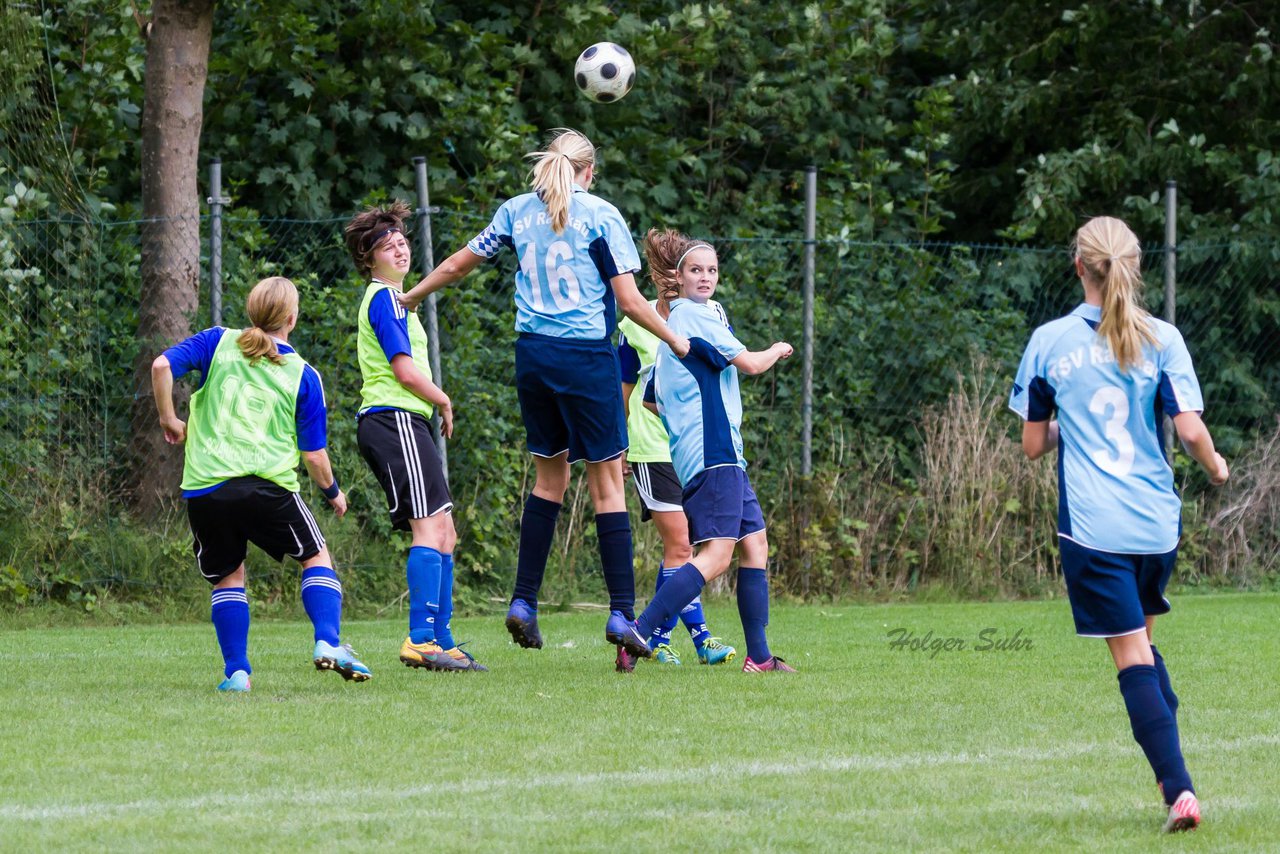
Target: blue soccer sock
(444, 616)
(1166, 687)
(662, 632)
(1154, 728)
(322, 599)
(229, 611)
(753, 608)
(613, 532)
(422, 571)
(683, 585)
(695, 620)
(537, 530)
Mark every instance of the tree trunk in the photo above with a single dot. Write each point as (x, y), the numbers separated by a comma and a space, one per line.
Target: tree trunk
(173, 94)
(177, 65)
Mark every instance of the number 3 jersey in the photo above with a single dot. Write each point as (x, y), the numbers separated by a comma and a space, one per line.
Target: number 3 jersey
(562, 284)
(246, 419)
(1115, 488)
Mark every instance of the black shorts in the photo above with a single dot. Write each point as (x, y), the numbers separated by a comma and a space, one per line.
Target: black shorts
(250, 510)
(401, 449)
(659, 489)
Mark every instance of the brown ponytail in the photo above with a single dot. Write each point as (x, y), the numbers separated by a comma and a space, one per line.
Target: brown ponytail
(1112, 260)
(568, 153)
(270, 305)
(662, 249)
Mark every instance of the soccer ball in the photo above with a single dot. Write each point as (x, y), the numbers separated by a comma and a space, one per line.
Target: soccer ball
(604, 72)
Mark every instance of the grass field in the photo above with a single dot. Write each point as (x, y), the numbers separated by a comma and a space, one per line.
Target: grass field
(115, 739)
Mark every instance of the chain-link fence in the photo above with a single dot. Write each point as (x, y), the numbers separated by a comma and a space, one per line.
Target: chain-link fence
(896, 328)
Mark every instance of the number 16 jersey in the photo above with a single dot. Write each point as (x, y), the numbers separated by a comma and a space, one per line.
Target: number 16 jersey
(1115, 487)
(562, 284)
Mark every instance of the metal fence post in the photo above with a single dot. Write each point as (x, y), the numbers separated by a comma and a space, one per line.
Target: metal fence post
(215, 201)
(424, 212)
(806, 404)
(1170, 282)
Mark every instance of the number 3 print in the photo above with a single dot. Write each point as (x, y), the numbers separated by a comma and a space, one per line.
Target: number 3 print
(1114, 429)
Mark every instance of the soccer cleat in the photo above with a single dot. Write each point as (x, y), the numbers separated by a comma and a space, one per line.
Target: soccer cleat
(716, 652)
(340, 659)
(1184, 814)
(620, 630)
(430, 656)
(625, 662)
(460, 654)
(772, 665)
(236, 683)
(522, 622)
(664, 654)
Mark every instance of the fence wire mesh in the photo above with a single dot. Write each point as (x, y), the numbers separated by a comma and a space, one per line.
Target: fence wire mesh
(896, 327)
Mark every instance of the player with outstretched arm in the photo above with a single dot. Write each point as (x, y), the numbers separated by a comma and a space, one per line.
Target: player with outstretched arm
(649, 458)
(1111, 372)
(577, 262)
(396, 439)
(258, 407)
(698, 400)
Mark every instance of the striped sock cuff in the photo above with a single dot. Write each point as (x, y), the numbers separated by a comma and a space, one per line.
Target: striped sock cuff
(227, 595)
(321, 577)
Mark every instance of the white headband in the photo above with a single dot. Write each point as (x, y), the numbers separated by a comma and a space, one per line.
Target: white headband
(690, 249)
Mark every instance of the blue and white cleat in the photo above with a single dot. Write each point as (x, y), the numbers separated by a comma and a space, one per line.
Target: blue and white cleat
(713, 651)
(621, 631)
(340, 659)
(522, 622)
(236, 683)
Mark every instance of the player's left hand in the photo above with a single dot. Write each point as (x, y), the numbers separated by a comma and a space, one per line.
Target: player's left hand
(175, 431)
(784, 349)
(681, 347)
(339, 504)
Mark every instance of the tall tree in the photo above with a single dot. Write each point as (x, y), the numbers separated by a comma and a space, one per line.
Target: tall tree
(178, 37)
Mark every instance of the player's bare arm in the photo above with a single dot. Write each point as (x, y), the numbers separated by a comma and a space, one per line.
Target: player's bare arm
(753, 362)
(408, 375)
(636, 307)
(321, 471)
(175, 429)
(1199, 444)
(1039, 438)
(453, 269)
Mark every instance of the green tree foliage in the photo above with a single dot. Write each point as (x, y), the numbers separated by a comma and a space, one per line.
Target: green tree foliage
(1076, 109)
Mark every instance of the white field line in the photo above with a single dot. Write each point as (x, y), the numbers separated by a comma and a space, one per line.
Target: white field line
(604, 779)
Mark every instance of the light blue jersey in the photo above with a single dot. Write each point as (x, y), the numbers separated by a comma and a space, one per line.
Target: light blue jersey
(697, 396)
(1115, 488)
(562, 285)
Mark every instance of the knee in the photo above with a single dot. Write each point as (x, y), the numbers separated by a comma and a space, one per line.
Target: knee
(677, 555)
(552, 486)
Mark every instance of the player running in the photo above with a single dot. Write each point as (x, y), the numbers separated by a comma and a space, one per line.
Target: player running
(654, 477)
(258, 406)
(576, 259)
(698, 399)
(1112, 372)
(396, 439)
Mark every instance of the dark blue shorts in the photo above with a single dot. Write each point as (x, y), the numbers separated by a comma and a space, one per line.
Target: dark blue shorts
(721, 505)
(1113, 594)
(570, 397)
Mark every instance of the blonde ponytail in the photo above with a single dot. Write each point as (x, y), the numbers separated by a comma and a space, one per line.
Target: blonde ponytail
(568, 153)
(270, 305)
(1112, 260)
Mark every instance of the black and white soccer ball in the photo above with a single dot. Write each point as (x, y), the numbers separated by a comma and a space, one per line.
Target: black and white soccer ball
(604, 72)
